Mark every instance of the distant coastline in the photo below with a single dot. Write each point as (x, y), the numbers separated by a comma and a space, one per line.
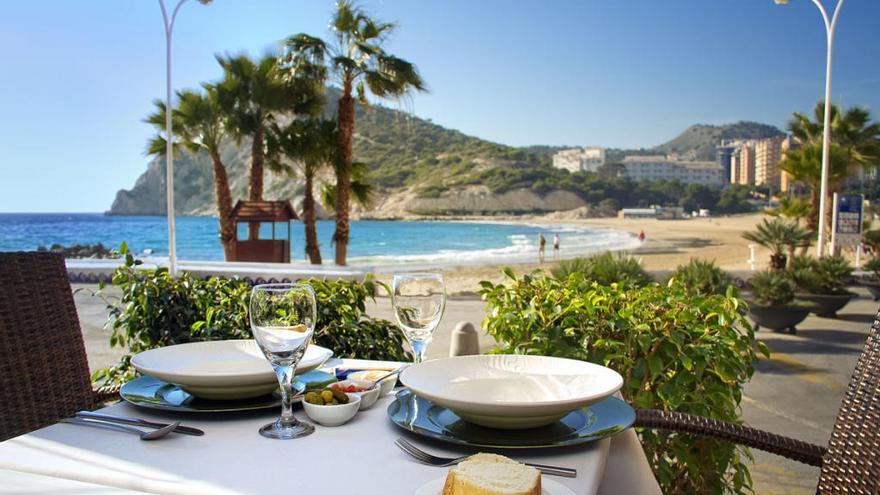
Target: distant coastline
(425, 241)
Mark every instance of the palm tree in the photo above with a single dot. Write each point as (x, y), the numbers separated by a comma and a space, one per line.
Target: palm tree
(796, 209)
(310, 144)
(362, 192)
(199, 125)
(358, 62)
(805, 166)
(251, 93)
(856, 138)
(781, 237)
(852, 130)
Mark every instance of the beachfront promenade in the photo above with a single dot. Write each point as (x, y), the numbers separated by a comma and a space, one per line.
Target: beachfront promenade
(795, 393)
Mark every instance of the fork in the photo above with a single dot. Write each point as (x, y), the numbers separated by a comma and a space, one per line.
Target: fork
(422, 456)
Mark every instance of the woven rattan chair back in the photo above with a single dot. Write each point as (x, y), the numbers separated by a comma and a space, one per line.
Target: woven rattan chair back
(852, 462)
(44, 374)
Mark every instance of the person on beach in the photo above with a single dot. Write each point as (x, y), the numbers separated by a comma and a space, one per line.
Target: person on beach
(541, 244)
(642, 236)
(556, 246)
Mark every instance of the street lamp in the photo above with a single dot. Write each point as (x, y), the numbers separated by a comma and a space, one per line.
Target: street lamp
(169, 153)
(830, 24)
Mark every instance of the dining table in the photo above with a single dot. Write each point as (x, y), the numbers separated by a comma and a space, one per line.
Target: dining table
(359, 457)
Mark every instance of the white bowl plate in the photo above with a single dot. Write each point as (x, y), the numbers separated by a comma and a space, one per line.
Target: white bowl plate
(221, 369)
(385, 386)
(333, 415)
(510, 391)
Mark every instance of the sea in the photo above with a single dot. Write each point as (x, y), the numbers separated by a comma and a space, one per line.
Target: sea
(373, 242)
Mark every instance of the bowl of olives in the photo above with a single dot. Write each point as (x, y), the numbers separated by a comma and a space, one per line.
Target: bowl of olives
(330, 407)
(361, 389)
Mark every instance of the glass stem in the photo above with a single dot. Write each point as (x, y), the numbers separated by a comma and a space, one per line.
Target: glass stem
(419, 348)
(285, 373)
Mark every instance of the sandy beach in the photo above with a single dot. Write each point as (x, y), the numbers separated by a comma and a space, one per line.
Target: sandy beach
(668, 243)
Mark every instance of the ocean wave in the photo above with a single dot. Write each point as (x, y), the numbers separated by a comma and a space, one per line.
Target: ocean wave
(575, 241)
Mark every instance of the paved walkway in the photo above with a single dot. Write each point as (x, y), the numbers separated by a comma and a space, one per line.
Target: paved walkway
(796, 392)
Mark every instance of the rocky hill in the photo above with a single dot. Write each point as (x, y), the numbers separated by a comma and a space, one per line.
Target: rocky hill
(701, 139)
(419, 168)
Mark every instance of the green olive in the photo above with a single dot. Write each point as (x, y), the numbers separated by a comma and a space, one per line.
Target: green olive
(327, 395)
(340, 396)
(314, 398)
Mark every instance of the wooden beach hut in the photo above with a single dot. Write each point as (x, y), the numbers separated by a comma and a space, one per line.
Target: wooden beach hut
(248, 246)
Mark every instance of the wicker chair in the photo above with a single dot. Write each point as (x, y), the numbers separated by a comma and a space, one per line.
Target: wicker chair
(44, 374)
(851, 462)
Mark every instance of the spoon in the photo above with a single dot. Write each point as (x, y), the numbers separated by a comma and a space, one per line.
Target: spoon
(145, 435)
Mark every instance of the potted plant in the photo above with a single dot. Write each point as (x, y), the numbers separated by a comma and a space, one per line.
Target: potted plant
(782, 237)
(772, 302)
(703, 277)
(822, 281)
(873, 282)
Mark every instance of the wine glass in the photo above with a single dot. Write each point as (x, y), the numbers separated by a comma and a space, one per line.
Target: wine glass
(418, 300)
(283, 320)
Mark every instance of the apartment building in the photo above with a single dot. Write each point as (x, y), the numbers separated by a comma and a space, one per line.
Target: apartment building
(654, 168)
(742, 163)
(580, 159)
(768, 154)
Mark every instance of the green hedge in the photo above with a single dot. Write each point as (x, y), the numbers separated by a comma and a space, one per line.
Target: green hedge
(156, 310)
(677, 350)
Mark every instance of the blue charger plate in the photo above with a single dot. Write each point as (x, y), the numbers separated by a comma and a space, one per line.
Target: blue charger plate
(422, 417)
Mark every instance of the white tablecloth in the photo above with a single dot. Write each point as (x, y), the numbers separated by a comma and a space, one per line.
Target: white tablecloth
(358, 457)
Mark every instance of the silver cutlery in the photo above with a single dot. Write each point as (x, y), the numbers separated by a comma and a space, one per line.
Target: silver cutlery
(144, 435)
(186, 430)
(422, 456)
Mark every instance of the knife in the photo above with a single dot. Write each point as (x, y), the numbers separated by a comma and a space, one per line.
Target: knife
(186, 430)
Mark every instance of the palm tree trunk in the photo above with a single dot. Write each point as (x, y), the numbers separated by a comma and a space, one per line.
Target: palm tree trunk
(255, 192)
(345, 121)
(312, 249)
(813, 220)
(224, 205)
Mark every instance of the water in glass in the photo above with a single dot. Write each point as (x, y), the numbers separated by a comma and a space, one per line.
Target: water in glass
(283, 319)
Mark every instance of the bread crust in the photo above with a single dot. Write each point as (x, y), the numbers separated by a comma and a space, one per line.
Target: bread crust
(458, 485)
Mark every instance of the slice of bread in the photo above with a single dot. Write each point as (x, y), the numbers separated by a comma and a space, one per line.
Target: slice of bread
(491, 474)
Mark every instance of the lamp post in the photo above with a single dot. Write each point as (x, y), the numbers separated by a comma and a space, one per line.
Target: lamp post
(830, 24)
(169, 151)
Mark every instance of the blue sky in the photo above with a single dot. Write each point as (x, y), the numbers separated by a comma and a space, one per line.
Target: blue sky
(78, 77)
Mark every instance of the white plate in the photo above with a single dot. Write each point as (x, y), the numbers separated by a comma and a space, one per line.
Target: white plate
(220, 369)
(510, 391)
(548, 487)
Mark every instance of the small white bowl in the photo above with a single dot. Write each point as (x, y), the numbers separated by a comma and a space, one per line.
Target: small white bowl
(333, 415)
(368, 398)
(385, 386)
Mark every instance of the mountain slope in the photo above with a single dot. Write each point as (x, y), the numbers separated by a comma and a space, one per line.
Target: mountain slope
(701, 139)
(431, 167)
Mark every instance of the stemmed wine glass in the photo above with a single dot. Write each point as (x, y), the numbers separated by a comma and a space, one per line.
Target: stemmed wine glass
(418, 300)
(283, 320)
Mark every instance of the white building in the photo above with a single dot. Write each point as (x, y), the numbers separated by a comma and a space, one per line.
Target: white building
(654, 168)
(578, 159)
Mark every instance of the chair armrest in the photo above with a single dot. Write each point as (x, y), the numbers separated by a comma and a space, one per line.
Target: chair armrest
(106, 393)
(797, 450)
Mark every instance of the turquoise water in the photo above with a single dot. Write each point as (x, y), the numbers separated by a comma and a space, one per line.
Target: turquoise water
(375, 241)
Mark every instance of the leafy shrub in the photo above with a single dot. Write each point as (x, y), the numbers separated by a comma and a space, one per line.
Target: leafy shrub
(873, 265)
(605, 269)
(156, 310)
(826, 275)
(703, 277)
(772, 288)
(676, 350)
